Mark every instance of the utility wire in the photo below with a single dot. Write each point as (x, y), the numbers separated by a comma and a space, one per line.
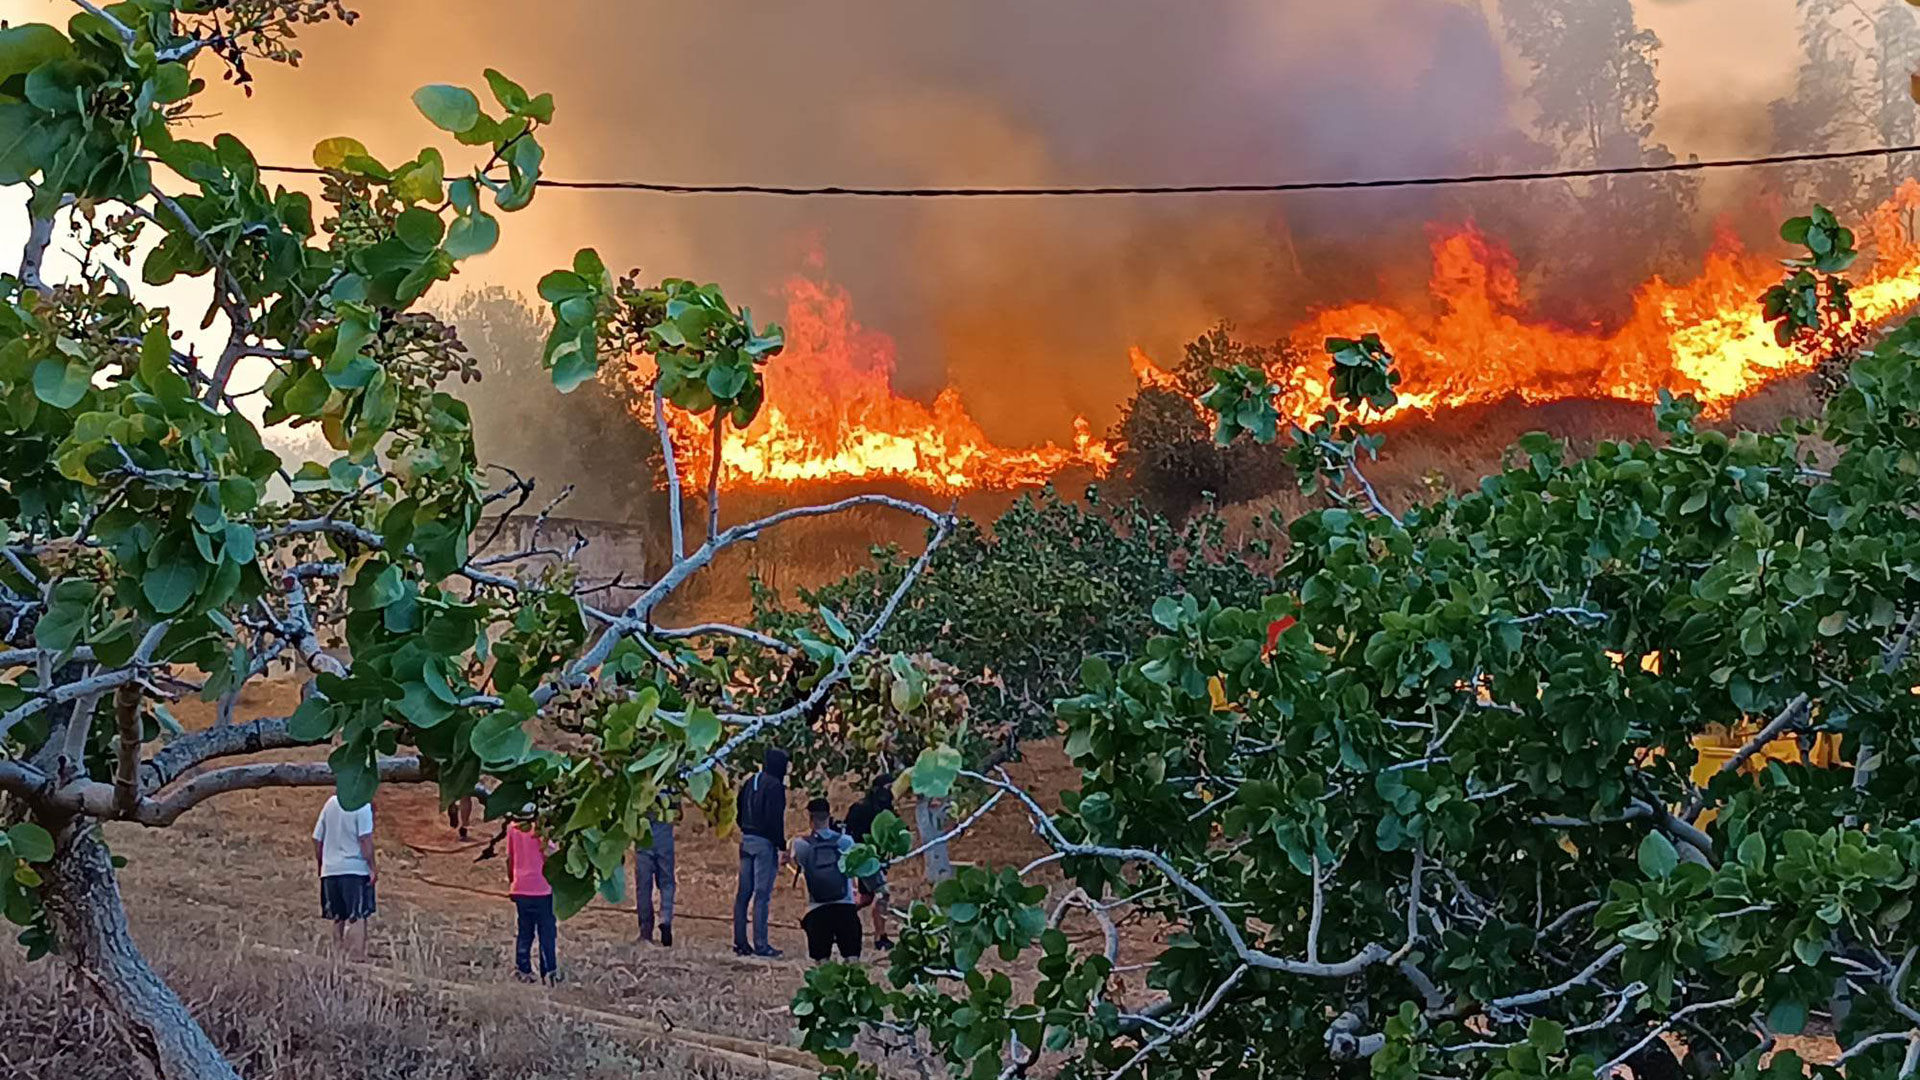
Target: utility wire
(1457, 180)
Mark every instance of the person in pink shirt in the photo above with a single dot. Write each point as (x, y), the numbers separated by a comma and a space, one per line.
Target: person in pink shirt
(533, 901)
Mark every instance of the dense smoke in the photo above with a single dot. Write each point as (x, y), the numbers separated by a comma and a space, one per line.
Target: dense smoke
(1029, 306)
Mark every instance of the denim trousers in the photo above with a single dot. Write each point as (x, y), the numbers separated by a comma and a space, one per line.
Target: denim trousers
(759, 864)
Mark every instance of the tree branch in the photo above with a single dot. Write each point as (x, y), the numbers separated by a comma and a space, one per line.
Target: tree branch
(167, 810)
(765, 641)
(122, 29)
(126, 718)
(1183, 1027)
(713, 473)
(1789, 716)
(1606, 1071)
(675, 521)
(843, 667)
(1369, 955)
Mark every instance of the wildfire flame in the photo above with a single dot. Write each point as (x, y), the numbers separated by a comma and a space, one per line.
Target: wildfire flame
(1475, 345)
(833, 414)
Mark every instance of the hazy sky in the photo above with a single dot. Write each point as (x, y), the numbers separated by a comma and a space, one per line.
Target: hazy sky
(972, 91)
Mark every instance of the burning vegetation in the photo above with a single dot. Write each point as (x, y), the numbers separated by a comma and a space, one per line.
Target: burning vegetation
(1471, 341)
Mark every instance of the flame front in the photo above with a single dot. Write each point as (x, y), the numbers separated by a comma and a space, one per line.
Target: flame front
(1706, 337)
(833, 414)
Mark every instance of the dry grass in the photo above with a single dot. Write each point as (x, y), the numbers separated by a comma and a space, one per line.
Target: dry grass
(211, 898)
(287, 1020)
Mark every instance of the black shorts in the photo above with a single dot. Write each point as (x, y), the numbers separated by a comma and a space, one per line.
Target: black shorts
(832, 925)
(346, 897)
(870, 888)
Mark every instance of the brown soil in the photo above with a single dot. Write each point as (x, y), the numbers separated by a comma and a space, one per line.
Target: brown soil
(215, 897)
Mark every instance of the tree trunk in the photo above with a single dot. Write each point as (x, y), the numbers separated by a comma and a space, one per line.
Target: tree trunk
(930, 817)
(90, 924)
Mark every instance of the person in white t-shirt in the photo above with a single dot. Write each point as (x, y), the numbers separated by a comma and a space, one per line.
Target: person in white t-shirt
(343, 854)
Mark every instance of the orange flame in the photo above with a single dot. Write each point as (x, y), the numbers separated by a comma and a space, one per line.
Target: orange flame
(833, 414)
(1706, 337)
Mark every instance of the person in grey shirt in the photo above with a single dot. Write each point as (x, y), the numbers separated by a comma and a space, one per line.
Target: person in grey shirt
(653, 869)
(833, 913)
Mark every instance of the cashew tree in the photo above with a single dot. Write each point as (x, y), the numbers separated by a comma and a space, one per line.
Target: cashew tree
(154, 545)
(1436, 807)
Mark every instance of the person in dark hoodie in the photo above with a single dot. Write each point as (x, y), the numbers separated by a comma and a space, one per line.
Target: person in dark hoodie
(873, 890)
(763, 849)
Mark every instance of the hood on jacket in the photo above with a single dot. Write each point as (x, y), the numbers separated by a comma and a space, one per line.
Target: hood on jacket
(775, 763)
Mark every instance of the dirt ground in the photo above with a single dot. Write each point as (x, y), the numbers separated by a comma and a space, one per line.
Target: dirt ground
(227, 898)
(235, 878)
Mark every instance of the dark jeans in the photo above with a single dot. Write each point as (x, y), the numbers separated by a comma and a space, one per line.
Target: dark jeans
(536, 917)
(653, 869)
(832, 926)
(759, 865)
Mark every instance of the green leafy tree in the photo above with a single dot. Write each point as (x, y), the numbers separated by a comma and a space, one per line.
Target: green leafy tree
(1852, 88)
(154, 546)
(506, 336)
(1433, 805)
(1593, 80)
(1167, 456)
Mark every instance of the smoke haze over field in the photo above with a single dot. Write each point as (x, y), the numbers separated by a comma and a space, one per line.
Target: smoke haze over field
(1029, 306)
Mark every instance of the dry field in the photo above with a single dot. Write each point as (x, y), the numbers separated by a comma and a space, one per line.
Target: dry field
(225, 904)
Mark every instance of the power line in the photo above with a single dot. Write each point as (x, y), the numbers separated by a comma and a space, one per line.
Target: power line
(1456, 180)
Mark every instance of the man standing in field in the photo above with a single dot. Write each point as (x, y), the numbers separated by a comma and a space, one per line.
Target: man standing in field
(833, 916)
(762, 810)
(873, 889)
(343, 855)
(653, 869)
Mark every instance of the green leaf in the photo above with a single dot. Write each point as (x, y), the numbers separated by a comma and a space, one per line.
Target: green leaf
(472, 234)
(570, 891)
(1657, 856)
(61, 383)
(560, 285)
(23, 48)
(354, 775)
(1547, 1036)
(334, 153)
(450, 108)
(419, 228)
(835, 626)
(935, 771)
(1833, 624)
(308, 394)
(30, 842)
(572, 365)
(170, 585)
(1788, 1017)
(703, 729)
(499, 739)
(313, 721)
(511, 96)
(66, 617)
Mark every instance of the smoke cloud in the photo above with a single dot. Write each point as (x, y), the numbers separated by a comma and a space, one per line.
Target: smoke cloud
(1028, 306)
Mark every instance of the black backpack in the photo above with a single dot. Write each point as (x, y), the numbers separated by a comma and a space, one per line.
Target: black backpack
(826, 882)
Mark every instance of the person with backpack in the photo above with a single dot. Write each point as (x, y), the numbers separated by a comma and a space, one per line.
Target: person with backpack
(762, 811)
(833, 914)
(873, 888)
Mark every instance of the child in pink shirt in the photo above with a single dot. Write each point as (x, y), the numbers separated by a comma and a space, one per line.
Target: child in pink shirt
(533, 902)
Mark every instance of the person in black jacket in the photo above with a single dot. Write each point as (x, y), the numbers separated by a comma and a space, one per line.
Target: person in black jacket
(872, 890)
(763, 849)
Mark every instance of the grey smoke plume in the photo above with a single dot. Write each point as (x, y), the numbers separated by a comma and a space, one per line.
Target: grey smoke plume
(903, 92)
